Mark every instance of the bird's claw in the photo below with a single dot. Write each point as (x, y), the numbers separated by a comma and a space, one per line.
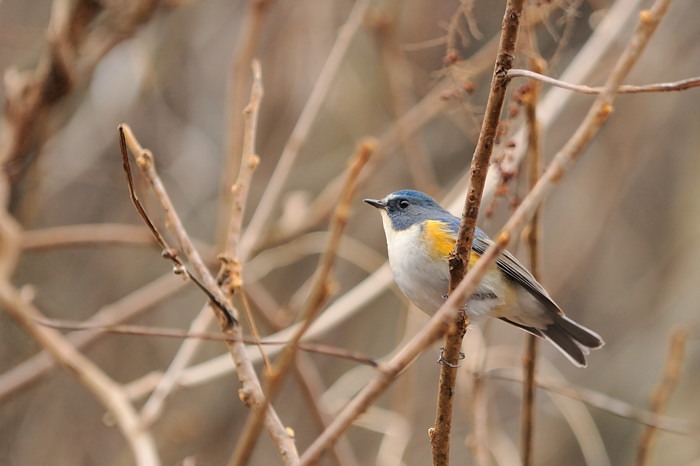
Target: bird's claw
(441, 359)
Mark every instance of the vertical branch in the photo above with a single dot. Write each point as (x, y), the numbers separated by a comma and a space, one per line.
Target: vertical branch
(660, 395)
(398, 75)
(320, 291)
(237, 88)
(459, 257)
(534, 156)
(303, 127)
(250, 392)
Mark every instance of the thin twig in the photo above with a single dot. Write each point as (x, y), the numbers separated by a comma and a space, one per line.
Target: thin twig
(125, 308)
(530, 100)
(681, 85)
(251, 392)
(302, 128)
(238, 83)
(319, 293)
(229, 274)
(397, 71)
(326, 350)
(603, 402)
(460, 256)
(660, 395)
(145, 161)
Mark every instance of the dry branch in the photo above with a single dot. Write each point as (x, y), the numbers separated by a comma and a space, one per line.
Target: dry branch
(302, 128)
(459, 257)
(108, 392)
(534, 161)
(660, 395)
(250, 392)
(320, 291)
(682, 85)
(79, 34)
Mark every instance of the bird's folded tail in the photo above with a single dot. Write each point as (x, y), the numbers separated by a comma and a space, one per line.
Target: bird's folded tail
(574, 340)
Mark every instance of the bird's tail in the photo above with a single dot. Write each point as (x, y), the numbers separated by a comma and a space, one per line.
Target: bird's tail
(572, 339)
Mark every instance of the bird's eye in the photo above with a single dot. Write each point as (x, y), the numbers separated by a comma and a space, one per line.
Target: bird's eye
(403, 203)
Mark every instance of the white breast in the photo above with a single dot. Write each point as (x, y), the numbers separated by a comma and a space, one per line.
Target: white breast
(424, 280)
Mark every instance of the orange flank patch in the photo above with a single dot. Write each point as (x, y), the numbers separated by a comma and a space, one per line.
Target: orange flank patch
(438, 237)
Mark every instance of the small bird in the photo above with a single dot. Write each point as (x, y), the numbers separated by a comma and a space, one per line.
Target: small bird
(420, 235)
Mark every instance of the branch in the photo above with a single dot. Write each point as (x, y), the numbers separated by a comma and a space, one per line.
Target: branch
(140, 330)
(79, 34)
(108, 392)
(238, 84)
(320, 291)
(681, 85)
(530, 101)
(660, 395)
(303, 126)
(460, 256)
(250, 392)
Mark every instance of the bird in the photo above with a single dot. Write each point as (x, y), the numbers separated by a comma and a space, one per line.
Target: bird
(420, 235)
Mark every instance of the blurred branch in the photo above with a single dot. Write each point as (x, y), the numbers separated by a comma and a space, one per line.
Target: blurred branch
(531, 98)
(251, 392)
(79, 34)
(603, 402)
(108, 392)
(238, 83)
(459, 258)
(397, 72)
(75, 235)
(660, 395)
(321, 289)
(128, 306)
(303, 126)
(140, 330)
(681, 85)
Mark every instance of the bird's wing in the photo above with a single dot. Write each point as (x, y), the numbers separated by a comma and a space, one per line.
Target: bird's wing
(514, 270)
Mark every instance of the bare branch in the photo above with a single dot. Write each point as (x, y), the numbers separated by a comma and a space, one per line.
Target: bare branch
(660, 395)
(320, 291)
(302, 128)
(682, 85)
(251, 392)
(108, 392)
(460, 255)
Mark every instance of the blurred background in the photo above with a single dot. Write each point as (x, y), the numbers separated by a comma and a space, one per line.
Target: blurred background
(620, 236)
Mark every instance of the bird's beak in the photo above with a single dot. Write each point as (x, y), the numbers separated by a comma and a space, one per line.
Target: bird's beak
(376, 203)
